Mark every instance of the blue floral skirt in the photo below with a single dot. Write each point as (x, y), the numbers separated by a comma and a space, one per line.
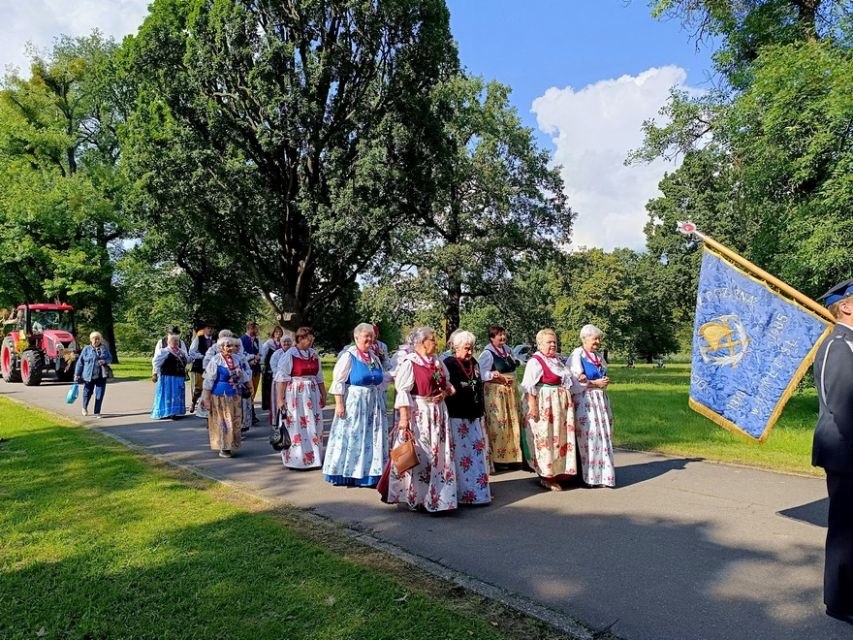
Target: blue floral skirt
(358, 443)
(170, 397)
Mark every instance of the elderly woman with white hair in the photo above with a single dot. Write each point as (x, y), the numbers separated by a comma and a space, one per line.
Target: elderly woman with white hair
(465, 408)
(91, 370)
(550, 432)
(170, 368)
(593, 418)
(357, 450)
(422, 384)
(224, 381)
(285, 342)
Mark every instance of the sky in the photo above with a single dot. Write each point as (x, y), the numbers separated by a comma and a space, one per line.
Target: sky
(585, 74)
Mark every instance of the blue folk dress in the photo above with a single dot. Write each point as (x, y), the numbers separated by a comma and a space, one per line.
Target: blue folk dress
(170, 395)
(358, 443)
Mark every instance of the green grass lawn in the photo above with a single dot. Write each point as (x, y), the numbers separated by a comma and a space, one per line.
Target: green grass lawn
(133, 368)
(651, 413)
(98, 542)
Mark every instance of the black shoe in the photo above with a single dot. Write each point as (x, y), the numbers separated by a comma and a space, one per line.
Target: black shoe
(844, 617)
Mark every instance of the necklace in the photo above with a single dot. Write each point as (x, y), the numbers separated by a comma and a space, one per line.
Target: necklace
(305, 356)
(425, 361)
(365, 357)
(502, 351)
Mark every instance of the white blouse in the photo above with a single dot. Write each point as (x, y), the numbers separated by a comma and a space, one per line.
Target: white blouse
(265, 349)
(405, 379)
(285, 365)
(533, 373)
(343, 367)
(487, 360)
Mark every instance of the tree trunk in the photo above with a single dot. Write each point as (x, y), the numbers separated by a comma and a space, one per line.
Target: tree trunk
(451, 312)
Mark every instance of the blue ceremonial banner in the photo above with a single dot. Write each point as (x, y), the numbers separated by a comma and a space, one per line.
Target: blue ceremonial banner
(751, 347)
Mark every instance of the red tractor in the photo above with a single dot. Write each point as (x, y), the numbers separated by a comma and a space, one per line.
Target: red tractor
(39, 339)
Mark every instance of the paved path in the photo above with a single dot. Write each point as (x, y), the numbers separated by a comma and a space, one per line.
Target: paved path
(682, 549)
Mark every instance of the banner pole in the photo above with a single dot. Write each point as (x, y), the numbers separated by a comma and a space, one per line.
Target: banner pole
(793, 293)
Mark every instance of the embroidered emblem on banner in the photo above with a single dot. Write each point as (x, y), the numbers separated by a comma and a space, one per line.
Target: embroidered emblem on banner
(725, 341)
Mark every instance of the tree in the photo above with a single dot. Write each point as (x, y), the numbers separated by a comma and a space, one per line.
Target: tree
(307, 124)
(61, 193)
(766, 160)
(496, 204)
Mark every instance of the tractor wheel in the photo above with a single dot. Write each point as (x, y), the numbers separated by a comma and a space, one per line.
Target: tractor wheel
(32, 368)
(7, 362)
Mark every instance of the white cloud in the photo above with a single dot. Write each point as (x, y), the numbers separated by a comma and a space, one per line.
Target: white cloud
(41, 21)
(593, 130)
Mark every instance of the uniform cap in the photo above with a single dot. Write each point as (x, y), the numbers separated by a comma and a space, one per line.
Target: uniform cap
(838, 292)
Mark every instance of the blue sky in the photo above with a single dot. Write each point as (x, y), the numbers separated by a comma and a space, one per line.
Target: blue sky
(532, 45)
(585, 75)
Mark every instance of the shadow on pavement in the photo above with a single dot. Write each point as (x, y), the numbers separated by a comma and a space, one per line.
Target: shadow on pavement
(816, 513)
(636, 473)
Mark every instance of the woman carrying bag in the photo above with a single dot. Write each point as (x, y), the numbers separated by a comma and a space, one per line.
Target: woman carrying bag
(93, 370)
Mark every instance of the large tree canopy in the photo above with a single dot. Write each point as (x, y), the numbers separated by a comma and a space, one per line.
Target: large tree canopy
(497, 202)
(768, 158)
(306, 125)
(61, 193)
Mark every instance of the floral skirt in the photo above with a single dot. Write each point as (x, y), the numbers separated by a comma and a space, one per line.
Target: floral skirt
(303, 416)
(472, 467)
(170, 397)
(503, 422)
(224, 420)
(551, 439)
(357, 450)
(594, 425)
(432, 484)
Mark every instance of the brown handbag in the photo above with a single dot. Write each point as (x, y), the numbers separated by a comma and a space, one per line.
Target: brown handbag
(404, 456)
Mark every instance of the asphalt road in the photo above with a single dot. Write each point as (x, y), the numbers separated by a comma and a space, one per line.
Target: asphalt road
(681, 549)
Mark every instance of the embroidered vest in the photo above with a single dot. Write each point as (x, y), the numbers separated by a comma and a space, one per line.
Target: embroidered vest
(305, 368)
(548, 376)
(362, 375)
(425, 383)
(503, 365)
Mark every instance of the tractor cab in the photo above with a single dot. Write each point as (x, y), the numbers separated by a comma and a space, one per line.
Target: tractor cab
(39, 339)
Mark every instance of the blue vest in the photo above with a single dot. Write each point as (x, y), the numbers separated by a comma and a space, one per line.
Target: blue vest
(593, 372)
(363, 376)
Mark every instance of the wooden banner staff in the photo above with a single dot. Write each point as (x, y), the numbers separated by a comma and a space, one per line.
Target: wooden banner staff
(823, 312)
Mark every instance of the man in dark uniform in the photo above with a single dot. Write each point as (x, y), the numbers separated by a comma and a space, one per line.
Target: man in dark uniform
(833, 449)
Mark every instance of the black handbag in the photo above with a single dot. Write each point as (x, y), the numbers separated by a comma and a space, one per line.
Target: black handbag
(280, 436)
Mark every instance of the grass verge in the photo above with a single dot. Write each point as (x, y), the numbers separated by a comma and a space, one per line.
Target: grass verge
(99, 542)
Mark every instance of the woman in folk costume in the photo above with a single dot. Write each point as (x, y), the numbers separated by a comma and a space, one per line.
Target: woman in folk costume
(422, 385)
(224, 379)
(593, 418)
(502, 418)
(170, 368)
(285, 343)
(357, 450)
(465, 408)
(550, 432)
(202, 342)
(269, 348)
(302, 396)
